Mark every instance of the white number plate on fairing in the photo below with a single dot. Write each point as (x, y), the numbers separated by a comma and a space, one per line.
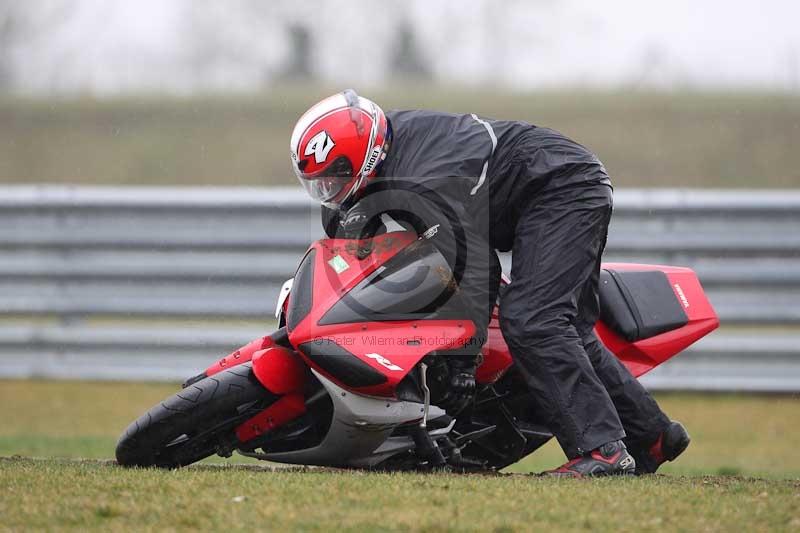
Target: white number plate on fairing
(338, 264)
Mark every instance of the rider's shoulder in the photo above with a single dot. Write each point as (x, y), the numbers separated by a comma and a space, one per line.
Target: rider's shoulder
(404, 116)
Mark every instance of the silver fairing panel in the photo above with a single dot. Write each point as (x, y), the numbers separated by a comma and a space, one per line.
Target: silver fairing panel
(360, 429)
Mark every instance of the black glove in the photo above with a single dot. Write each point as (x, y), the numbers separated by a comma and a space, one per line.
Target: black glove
(461, 384)
(359, 222)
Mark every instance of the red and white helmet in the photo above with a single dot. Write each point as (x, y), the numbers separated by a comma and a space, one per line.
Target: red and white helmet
(337, 146)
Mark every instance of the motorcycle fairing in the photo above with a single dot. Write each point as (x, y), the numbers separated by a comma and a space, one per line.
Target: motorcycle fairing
(279, 370)
(643, 355)
(369, 338)
(360, 430)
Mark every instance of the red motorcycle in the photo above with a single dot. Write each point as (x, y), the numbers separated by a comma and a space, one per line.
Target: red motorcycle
(353, 376)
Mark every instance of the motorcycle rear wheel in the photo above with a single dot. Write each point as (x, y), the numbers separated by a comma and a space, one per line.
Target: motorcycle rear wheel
(196, 422)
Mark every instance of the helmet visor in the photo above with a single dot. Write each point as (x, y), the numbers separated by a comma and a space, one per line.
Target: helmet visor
(332, 185)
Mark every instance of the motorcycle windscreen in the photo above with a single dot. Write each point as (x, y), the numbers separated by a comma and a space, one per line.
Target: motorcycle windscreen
(301, 301)
(415, 284)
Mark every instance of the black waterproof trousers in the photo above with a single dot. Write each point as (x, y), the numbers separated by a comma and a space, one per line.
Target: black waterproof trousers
(547, 315)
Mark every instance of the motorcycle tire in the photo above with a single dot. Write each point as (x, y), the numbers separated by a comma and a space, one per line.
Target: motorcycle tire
(196, 422)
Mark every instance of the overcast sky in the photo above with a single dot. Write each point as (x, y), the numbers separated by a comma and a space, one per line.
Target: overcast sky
(104, 46)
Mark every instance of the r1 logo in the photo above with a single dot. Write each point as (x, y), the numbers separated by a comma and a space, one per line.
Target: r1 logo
(383, 361)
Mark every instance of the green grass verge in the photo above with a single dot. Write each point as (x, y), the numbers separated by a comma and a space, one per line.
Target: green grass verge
(732, 435)
(58, 494)
(645, 139)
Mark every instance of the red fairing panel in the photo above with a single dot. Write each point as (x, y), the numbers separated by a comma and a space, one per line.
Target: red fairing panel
(391, 348)
(644, 355)
(373, 342)
(280, 370)
(332, 280)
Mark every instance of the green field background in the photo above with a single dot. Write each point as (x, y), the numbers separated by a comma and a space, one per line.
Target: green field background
(732, 434)
(646, 139)
(741, 473)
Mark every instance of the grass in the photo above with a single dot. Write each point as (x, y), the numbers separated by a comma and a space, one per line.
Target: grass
(741, 472)
(39, 494)
(645, 139)
(743, 435)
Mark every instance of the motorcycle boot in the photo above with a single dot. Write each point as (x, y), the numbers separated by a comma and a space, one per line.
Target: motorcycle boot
(610, 459)
(670, 444)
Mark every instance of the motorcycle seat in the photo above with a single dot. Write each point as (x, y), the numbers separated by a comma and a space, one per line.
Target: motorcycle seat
(639, 304)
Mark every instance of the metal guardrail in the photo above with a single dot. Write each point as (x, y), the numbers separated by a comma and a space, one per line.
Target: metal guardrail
(734, 361)
(72, 253)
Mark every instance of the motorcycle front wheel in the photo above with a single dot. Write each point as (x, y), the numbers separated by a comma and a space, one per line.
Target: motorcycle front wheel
(196, 422)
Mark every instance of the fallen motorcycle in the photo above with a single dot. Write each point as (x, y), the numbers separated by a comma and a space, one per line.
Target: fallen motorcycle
(353, 376)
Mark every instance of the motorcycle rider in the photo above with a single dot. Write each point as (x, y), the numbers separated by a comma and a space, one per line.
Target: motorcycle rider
(475, 186)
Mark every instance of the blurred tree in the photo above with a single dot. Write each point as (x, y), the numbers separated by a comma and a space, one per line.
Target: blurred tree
(793, 69)
(659, 68)
(23, 24)
(233, 43)
(298, 64)
(12, 28)
(406, 59)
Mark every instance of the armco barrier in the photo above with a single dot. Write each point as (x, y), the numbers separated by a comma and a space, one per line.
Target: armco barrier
(75, 258)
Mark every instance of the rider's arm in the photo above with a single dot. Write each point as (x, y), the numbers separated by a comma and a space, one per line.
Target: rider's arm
(440, 207)
(463, 239)
(331, 219)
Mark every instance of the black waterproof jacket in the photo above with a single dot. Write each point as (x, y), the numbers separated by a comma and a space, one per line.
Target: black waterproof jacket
(469, 177)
